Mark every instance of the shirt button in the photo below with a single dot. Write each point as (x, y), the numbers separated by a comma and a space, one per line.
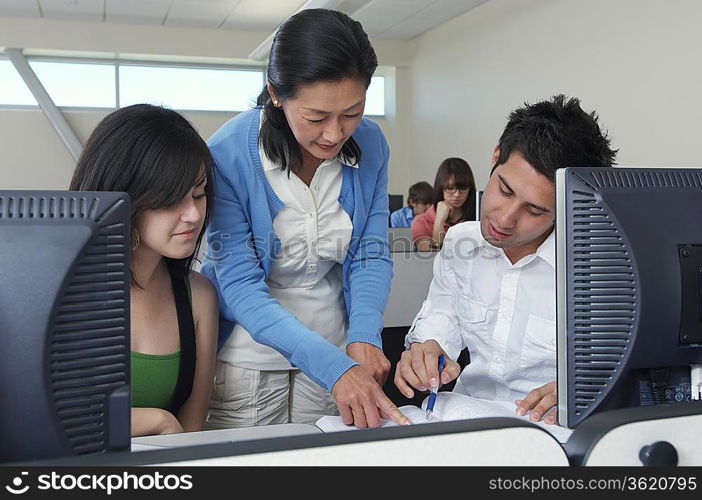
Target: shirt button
(314, 243)
(311, 214)
(316, 188)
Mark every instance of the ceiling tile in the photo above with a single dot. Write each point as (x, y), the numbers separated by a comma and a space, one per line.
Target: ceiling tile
(351, 6)
(74, 10)
(432, 16)
(261, 15)
(19, 8)
(149, 12)
(200, 14)
(395, 19)
(380, 15)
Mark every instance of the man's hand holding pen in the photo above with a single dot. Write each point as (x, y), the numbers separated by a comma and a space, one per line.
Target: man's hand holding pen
(418, 368)
(435, 388)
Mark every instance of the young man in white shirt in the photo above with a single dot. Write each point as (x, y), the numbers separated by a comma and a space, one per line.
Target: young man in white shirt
(493, 289)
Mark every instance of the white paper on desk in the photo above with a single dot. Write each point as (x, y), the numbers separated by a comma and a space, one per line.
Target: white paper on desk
(452, 406)
(334, 424)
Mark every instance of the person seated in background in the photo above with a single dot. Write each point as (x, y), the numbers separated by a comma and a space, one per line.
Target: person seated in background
(453, 201)
(418, 200)
(156, 156)
(493, 289)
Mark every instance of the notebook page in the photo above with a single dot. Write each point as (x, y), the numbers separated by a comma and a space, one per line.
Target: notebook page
(456, 406)
(330, 423)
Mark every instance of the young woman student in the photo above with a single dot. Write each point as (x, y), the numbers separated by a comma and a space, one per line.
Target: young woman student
(453, 201)
(159, 159)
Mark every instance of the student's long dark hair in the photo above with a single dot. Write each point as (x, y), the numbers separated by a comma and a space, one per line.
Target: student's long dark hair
(462, 178)
(153, 154)
(314, 45)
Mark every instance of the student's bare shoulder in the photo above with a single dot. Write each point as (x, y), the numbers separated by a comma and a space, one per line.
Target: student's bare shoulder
(205, 306)
(199, 280)
(203, 290)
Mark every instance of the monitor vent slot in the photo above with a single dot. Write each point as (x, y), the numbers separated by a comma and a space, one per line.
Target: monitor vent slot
(604, 301)
(48, 207)
(87, 356)
(642, 178)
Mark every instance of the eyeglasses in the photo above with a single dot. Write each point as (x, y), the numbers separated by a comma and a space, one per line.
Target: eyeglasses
(454, 189)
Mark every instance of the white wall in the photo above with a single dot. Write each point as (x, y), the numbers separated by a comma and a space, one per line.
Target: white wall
(33, 156)
(636, 62)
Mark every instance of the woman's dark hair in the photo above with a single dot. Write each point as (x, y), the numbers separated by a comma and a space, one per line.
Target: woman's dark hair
(462, 175)
(314, 45)
(153, 154)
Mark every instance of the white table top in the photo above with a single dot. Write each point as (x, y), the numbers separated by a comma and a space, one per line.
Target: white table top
(221, 436)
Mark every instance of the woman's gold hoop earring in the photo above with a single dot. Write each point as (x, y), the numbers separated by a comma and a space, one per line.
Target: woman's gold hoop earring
(136, 239)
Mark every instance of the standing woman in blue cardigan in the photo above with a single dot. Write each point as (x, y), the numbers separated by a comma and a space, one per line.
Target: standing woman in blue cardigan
(297, 247)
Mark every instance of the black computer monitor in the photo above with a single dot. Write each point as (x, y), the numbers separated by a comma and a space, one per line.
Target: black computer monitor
(395, 202)
(629, 287)
(478, 201)
(64, 323)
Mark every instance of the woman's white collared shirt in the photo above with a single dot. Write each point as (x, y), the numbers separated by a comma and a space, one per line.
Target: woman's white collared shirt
(305, 277)
(503, 313)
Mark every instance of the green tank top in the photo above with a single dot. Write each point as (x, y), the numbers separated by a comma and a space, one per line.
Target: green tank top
(153, 379)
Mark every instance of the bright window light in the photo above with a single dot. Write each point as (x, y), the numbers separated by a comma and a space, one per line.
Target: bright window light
(95, 84)
(72, 84)
(13, 91)
(189, 88)
(375, 97)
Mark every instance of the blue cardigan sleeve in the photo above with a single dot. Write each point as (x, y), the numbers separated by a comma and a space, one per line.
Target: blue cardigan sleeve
(370, 269)
(244, 295)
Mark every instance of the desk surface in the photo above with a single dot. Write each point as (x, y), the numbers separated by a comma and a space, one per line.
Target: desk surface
(221, 436)
(504, 441)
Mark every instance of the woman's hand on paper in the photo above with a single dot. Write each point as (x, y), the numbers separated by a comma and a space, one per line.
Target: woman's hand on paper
(418, 368)
(362, 402)
(541, 401)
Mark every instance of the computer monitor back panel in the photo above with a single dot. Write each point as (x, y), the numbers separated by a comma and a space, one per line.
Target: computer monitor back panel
(478, 201)
(629, 261)
(395, 202)
(64, 323)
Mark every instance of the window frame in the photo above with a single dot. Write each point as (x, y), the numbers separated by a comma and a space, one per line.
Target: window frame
(117, 63)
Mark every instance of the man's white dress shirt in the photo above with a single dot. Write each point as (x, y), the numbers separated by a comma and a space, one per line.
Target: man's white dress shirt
(503, 313)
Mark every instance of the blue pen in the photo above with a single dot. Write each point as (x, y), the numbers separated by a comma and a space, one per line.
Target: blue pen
(434, 390)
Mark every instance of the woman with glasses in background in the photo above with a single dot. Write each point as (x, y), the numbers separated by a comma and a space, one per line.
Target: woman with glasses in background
(453, 201)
